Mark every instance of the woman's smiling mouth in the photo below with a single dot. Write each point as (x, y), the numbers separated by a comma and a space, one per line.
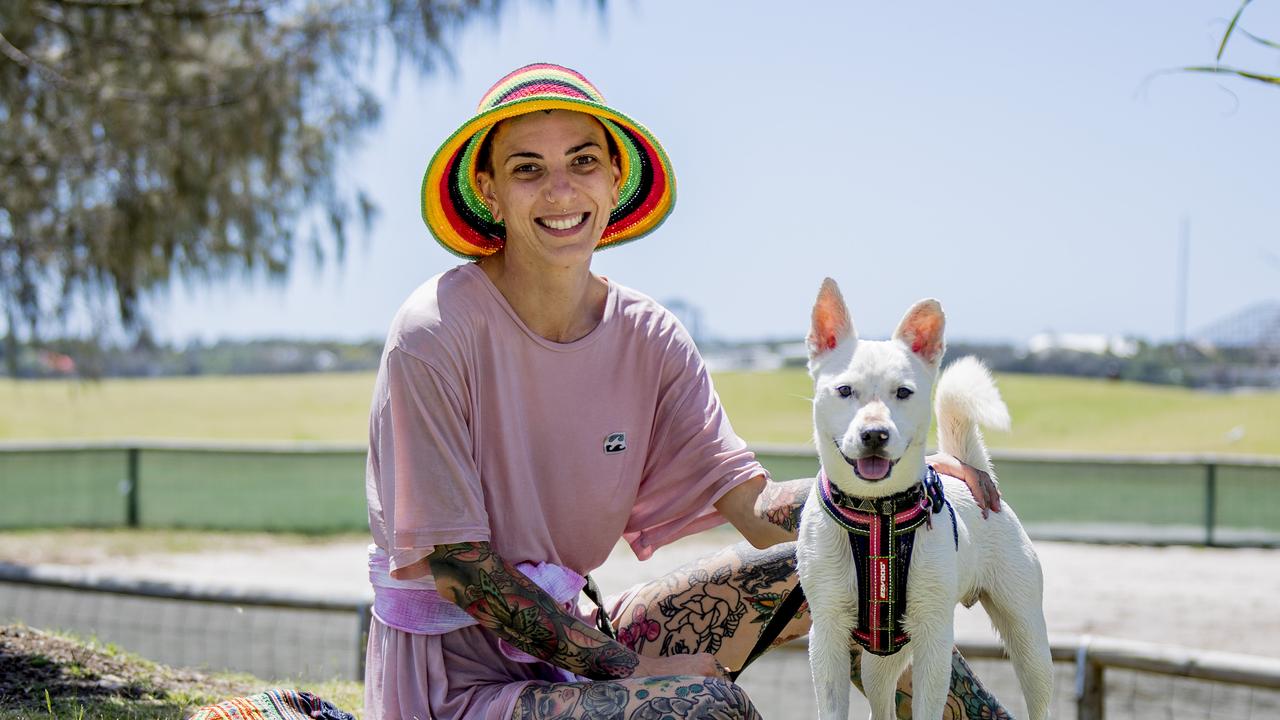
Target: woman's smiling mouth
(566, 222)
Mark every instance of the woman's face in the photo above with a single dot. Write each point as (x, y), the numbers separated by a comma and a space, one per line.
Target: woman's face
(553, 184)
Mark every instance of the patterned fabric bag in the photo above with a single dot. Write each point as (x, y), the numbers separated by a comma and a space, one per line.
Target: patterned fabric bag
(273, 705)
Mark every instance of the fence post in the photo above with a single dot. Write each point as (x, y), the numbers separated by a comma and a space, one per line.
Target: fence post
(1091, 692)
(1210, 501)
(131, 498)
(362, 639)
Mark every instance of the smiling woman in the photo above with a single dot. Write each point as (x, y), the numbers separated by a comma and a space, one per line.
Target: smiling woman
(527, 415)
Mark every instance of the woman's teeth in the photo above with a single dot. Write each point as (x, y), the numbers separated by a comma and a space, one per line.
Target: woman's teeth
(563, 223)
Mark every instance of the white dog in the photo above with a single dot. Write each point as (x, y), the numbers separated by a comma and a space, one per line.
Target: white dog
(871, 415)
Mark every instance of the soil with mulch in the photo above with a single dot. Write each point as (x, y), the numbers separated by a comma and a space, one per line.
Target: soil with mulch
(33, 663)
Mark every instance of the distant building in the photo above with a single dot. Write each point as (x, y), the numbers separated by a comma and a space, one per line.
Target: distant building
(1094, 344)
(1256, 327)
(758, 355)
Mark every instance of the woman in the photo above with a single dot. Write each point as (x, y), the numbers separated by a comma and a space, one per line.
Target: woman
(528, 414)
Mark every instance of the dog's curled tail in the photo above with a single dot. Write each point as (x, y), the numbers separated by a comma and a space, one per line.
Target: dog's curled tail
(967, 398)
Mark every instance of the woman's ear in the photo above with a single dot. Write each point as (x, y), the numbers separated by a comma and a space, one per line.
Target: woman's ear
(487, 192)
(616, 165)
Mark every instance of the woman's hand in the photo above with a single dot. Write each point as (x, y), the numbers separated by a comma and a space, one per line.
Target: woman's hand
(701, 664)
(983, 488)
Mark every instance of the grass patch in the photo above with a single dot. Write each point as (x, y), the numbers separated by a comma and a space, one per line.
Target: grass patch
(48, 675)
(328, 407)
(1049, 413)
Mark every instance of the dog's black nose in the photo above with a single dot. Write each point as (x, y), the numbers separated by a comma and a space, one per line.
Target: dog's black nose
(875, 438)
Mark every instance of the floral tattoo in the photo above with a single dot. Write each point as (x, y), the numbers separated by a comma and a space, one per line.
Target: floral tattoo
(781, 503)
(657, 698)
(511, 606)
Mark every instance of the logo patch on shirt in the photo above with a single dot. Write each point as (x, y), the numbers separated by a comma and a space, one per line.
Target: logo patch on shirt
(615, 443)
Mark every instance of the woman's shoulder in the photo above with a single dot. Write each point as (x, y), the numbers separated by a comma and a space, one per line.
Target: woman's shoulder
(656, 333)
(440, 315)
(650, 317)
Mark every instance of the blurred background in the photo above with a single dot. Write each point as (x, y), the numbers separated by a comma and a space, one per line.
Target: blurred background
(209, 213)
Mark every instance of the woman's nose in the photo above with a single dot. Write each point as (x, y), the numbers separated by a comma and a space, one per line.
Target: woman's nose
(559, 188)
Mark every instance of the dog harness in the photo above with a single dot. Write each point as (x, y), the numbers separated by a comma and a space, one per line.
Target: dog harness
(881, 538)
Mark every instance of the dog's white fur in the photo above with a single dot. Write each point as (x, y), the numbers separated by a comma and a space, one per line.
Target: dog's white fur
(995, 562)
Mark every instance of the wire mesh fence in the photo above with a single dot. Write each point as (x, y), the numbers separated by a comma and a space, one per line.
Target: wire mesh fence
(272, 637)
(1213, 500)
(299, 640)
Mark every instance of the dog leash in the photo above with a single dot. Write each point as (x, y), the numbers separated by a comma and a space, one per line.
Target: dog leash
(603, 623)
(785, 613)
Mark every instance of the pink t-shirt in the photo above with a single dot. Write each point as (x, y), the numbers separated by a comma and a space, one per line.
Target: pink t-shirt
(482, 430)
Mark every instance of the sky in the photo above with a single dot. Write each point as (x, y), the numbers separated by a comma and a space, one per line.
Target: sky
(1028, 164)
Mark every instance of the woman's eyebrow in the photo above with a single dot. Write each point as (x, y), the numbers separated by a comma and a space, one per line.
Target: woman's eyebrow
(583, 146)
(533, 155)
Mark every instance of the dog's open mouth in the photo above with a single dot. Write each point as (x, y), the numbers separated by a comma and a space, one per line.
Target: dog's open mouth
(871, 467)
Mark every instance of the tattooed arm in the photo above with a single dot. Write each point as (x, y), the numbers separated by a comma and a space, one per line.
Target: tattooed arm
(510, 605)
(766, 513)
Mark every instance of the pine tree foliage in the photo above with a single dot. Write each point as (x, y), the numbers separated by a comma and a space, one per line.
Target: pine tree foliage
(143, 140)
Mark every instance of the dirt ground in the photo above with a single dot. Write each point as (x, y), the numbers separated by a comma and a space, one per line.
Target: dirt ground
(1208, 598)
(74, 671)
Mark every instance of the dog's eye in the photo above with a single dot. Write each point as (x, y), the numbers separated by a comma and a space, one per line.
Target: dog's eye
(905, 392)
(845, 391)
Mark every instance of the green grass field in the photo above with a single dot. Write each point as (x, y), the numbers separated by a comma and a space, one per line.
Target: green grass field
(1049, 413)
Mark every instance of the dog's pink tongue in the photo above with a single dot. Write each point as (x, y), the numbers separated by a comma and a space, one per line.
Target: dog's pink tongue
(873, 468)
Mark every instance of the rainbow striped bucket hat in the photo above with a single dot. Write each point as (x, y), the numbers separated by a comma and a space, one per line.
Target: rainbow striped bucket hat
(451, 200)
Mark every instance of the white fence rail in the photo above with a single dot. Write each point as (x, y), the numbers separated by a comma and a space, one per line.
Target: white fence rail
(312, 638)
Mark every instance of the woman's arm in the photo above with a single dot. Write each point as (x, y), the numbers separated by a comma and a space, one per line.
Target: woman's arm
(766, 513)
(510, 605)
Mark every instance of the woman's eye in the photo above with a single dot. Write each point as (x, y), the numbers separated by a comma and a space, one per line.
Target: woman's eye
(584, 160)
(845, 391)
(905, 392)
(525, 169)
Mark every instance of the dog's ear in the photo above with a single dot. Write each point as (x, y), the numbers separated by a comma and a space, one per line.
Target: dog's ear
(921, 330)
(831, 322)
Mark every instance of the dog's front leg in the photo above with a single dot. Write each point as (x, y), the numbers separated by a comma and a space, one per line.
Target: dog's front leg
(880, 675)
(931, 670)
(829, 662)
(827, 575)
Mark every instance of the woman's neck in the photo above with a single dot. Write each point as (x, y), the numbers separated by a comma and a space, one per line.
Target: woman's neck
(559, 304)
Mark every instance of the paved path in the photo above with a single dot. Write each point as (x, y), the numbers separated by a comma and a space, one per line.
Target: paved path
(1220, 599)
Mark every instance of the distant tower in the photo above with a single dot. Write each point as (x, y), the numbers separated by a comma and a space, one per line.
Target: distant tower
(689, 315)
(1184, 254)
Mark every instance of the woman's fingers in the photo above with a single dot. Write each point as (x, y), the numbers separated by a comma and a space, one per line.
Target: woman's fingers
(983, 488)
(990, 492)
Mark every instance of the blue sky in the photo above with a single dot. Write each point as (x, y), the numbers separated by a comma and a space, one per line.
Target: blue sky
(1018, 161)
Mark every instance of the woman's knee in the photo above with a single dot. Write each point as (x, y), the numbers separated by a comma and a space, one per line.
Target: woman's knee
(708, 697)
